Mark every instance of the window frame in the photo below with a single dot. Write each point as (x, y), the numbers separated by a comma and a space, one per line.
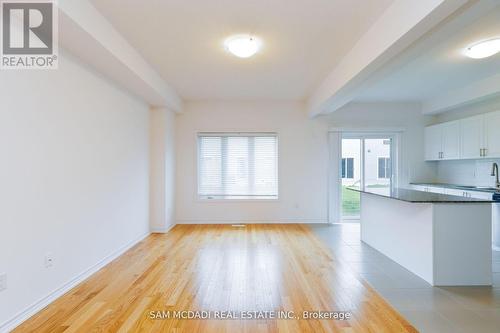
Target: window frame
(204, 198)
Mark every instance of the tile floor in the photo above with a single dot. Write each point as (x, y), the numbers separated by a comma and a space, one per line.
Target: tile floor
(429, 309)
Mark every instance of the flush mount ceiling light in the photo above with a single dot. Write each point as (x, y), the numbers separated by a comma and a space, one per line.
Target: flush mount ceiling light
(483, 49)
(243, 46)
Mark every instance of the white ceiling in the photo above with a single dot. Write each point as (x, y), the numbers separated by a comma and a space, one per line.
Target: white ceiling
(303, 40)
(438, 65)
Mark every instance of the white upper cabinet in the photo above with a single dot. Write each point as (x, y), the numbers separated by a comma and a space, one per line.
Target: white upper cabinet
(450, 140)
(433, 143)
(442, 141)
(470, 138)
(492, 135)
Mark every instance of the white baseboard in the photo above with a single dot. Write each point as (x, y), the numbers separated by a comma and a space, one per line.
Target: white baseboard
(275, 221)
(161, 230)
(42, 303)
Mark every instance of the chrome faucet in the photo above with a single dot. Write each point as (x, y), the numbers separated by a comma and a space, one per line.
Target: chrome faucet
(494, 172)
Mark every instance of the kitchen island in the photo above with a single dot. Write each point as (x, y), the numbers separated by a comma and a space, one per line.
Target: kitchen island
(444, 239)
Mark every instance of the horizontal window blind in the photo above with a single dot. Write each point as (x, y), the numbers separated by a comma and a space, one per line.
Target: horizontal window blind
(238, 165)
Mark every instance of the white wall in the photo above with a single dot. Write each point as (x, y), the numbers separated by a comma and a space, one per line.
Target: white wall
(73, 174)
(467, 172)
(406, 116)
(303, 157)
(162, 169)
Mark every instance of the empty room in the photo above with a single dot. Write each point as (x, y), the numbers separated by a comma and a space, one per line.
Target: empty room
(250, 166)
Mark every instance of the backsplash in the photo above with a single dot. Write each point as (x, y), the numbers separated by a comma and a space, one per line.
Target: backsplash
(466, 172)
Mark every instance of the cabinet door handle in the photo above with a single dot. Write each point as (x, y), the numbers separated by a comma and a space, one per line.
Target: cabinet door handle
(481, 152)
(485, 151)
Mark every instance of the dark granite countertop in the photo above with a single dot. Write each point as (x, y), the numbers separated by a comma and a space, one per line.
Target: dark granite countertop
(407, 195)
(458, 187)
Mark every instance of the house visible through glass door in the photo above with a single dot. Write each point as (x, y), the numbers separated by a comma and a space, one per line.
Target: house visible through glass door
(367, 163)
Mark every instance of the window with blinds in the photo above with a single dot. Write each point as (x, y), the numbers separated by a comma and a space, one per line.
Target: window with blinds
(238, 165)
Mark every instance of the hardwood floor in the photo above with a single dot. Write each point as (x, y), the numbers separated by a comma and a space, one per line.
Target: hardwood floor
(221, 268)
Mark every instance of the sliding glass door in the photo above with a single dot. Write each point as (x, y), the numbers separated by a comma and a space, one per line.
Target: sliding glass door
(351, 177)
(377, 164)
(367, 163)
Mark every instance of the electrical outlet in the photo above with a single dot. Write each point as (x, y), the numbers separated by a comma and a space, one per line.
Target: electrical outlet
(3, 281)
(49, 260)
